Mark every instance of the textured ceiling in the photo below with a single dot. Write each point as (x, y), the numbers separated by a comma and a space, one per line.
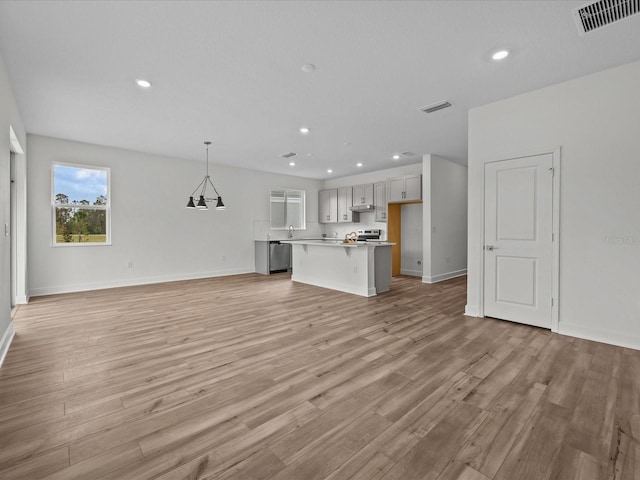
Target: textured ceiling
(230, 72)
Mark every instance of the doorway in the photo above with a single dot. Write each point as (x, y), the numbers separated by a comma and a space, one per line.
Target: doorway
(12, 228)
(16, 229)
(519, 240)
(394, 235)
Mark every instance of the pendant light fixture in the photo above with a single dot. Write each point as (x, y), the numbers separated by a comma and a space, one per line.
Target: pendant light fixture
(202, 186)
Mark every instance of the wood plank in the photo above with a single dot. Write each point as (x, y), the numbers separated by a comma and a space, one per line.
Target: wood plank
(256, 377)
(431, 455)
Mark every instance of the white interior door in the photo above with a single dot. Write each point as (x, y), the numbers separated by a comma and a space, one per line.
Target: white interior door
(518, 247)
(13, 227)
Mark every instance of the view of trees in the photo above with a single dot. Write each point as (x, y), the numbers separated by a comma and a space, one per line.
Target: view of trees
(77, 223)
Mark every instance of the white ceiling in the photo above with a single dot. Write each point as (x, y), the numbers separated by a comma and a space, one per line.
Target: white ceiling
(231, 72)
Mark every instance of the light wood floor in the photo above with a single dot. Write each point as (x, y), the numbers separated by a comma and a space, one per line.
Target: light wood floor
(252, 377)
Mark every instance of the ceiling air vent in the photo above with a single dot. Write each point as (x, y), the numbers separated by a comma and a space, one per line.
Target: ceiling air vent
(435, 107)
(603, 12)
(288, 155)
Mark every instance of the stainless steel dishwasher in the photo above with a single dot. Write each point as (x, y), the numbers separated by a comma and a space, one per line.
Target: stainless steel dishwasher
(279, 256)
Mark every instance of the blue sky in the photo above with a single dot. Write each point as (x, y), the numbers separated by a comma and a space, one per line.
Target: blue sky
(79, 183)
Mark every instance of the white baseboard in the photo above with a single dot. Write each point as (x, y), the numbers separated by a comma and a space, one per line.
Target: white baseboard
(597, 335)
(411, 273)
(472, 311)
(22, 300)
(7, 338)
(444, 276)
(363, 291)
(83, 287)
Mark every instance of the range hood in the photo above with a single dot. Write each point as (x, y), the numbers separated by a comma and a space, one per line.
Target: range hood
(362, 208)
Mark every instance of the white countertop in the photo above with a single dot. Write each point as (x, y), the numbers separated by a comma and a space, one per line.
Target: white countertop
(330, 242)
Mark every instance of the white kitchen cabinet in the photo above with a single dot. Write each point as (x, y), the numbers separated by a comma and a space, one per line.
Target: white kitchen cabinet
(345, 200)
(380, 201)
(405, 189)
(363, 194)
(413, 187)
(328, 206)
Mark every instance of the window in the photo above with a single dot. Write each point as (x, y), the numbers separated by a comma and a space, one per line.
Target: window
(80, 205)
(287, 208)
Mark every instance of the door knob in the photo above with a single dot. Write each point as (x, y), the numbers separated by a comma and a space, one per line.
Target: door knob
(491, 248)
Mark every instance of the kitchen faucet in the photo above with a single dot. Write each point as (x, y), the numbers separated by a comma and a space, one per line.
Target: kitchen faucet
(290, 231)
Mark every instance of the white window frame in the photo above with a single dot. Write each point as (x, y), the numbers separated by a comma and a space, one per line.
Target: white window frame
(303, 207)
(106, 208)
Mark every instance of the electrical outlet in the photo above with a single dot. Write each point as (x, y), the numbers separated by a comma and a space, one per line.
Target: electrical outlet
(223, 257)
(130, 265)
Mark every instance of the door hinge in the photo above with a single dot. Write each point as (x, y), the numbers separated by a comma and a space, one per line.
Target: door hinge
(553, 237)
(552, 301)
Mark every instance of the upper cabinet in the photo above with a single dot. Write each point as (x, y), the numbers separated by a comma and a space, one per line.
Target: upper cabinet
(380, 201)
(334, 205)
(363, 194)
(328, 206)
(405, 189)
(345, 200)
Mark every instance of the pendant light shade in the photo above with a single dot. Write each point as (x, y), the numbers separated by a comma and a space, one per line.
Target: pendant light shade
(202, 187)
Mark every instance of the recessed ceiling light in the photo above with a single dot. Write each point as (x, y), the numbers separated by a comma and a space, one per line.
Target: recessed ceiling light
(304, 129)
(292, 164)
(329, 171)
(143, 83)
(359, 164)
(396, 157)
(500, 55)
(308, 67)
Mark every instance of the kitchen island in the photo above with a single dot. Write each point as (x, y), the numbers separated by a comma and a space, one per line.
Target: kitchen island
(362, 268)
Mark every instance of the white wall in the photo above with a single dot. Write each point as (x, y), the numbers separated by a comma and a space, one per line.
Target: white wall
(150, 225)
(367, 220)
(9, 118)
(595, 120)
(444, 219)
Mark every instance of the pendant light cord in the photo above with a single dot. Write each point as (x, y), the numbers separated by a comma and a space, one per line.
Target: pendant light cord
(207, 178)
